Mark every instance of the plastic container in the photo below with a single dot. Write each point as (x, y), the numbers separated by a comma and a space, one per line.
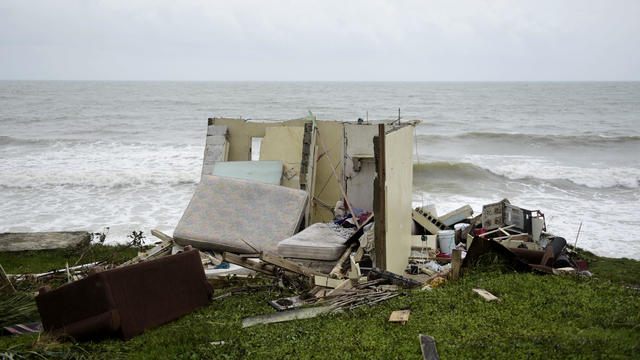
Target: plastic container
(446, 240)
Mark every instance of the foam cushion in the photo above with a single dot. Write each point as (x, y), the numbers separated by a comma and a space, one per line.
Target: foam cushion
(223, 211)
(319, 242)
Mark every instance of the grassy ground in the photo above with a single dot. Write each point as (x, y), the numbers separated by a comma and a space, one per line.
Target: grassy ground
(538, 317)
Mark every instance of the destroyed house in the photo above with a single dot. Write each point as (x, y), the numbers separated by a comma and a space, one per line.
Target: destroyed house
(318, 202)
(297, 173)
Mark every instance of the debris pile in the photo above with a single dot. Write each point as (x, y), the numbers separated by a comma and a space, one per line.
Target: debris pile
(271, 218)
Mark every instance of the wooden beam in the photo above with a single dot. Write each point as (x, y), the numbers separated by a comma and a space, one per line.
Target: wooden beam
(326, 281)
(235, 259)
(160, 235)
(456, 262)
(379, 199)
(485, 294)
(496, 230)
(344, 285)
(288, 265)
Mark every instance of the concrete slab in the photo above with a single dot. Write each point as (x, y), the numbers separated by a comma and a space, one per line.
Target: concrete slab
(42, 240)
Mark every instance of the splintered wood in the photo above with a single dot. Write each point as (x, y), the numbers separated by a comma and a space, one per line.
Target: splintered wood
(401, 316)
(485, 294)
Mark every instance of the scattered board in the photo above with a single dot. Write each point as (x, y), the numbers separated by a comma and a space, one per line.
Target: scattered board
(401, 316)
(485, 294)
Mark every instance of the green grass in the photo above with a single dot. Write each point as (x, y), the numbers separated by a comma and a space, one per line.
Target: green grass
(40, 261)
(538, 317)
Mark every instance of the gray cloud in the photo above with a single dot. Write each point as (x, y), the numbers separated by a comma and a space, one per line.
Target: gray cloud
(320, 40)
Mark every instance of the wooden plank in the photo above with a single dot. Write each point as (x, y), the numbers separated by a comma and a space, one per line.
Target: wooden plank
(344, 285)
(288, 265)
(282, 316)
(501, 229)
(235, 259)
(401, 316)
(160, 235)
(456, 262)
(326, 281)
(5, 283)
(354, 271)
(520, 236)
(485, 294)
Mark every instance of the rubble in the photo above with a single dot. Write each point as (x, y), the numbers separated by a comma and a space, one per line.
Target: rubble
(270, 218)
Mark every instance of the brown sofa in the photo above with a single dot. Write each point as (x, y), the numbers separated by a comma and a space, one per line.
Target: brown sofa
(127, 300)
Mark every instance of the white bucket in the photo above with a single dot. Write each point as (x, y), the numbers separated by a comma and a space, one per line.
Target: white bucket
(446, 240)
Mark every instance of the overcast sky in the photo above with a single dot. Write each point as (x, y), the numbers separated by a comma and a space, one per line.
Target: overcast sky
(320, 40)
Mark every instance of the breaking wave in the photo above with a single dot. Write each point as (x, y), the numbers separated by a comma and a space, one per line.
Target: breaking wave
(548, 140)
(531, 169)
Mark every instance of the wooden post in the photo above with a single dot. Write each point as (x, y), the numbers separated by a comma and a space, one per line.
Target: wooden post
(456, 261)
(379, 200)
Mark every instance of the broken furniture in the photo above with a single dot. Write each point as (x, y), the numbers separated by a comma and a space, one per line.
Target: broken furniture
(522, 259)
(226, 213)
(128, 300)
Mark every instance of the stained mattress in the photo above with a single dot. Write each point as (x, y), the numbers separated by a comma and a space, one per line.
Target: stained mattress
(223, 211)
(319, 242)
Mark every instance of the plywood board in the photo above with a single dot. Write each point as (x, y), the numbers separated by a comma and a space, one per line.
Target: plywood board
(401, 316)
(284, 143)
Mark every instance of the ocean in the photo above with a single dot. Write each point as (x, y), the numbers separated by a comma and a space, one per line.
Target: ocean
(127, 155)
